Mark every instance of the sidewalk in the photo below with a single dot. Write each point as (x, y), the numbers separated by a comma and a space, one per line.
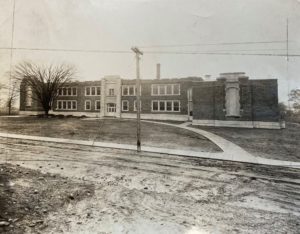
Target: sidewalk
(231, 151)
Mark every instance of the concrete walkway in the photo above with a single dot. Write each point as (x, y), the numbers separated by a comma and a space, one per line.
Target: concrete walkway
(231, 152)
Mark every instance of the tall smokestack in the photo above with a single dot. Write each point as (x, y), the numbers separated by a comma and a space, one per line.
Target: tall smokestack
(158, 71)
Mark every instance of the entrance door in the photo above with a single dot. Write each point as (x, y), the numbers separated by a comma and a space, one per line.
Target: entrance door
(110, 109)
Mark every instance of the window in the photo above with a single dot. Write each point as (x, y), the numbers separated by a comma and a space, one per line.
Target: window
(74, 105)
(97, 105)
(131, 90)
(93, 91)
(165, 89)
(69, 105)
(176, 106)
(134, 105)
(111, 107)
(125, 105)
(128, 90)
(169, 105)
(74, 91)
(166, 106)
(66, 105)
(125, 91)
(111, 92)
(87, 105)
(169, 89)
(162, 89)
(67, 91)
(154, 105)
(87, 91)
(176, 89)
(162, 105)
(154, 89)
(98, 91)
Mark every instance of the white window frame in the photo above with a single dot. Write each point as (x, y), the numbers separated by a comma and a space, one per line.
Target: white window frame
(125, 101)
(165, 106)
(96, 105)
(128, 88)
(66, 102)
(164, 87)
(60, 90)
(85, 102)
(113, 107)
(111, 94)
(90, 88)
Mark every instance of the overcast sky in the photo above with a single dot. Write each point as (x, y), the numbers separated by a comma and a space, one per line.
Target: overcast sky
(121, 24)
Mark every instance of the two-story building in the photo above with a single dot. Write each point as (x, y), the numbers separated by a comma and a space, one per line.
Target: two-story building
(230, 100)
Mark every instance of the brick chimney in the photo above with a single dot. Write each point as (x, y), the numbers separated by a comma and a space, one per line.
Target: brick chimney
(158, 71)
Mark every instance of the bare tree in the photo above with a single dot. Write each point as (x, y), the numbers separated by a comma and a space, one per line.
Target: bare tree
(44, 81)
(294, 97)
(13, 93)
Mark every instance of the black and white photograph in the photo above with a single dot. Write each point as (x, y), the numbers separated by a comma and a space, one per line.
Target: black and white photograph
(150, 116)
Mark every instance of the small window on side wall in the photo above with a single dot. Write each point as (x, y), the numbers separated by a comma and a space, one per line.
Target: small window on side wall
(87, 105)
(97, 105)
(125, 105)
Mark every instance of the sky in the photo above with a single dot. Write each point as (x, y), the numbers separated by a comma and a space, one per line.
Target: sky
(117, 25)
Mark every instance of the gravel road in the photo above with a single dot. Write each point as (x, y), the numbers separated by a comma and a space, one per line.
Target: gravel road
(154, 193)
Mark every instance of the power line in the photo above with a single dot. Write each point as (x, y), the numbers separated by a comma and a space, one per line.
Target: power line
(155, 52)
(219, 53)
(220, 43)
(65, 50)
(213, 52)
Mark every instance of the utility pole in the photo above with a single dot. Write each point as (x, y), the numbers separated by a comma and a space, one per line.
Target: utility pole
(287, 60)
(138, 53)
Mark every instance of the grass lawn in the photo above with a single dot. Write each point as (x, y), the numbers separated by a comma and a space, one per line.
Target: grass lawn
(283, 144)
(108, 130)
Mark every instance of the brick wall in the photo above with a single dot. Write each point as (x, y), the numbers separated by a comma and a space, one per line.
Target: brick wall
(80, 97)
(258, 100)
(147, 98)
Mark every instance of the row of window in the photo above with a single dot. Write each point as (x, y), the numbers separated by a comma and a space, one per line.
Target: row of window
(72, 105)
(93, 91)
(88, 105)
(165, 89)
(67, 105)
(72, 91)
(125, 105)
(156, 89)
(127, 90)
(168, 106)
(157, 105)
(67, 91)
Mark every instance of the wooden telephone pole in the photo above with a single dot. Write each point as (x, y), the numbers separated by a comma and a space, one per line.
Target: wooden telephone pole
(138, 53)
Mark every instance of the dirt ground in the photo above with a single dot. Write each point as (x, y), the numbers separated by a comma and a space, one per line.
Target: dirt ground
(283, 144)
(28, 196)
(155, 193)
(108, 130)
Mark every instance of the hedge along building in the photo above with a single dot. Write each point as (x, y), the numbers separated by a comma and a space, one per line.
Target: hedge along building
(232, 100)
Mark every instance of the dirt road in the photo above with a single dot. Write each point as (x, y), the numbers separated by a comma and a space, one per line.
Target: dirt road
(153, 193)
